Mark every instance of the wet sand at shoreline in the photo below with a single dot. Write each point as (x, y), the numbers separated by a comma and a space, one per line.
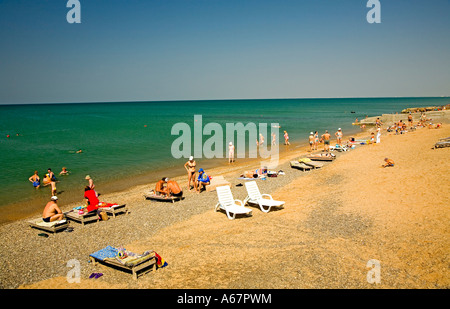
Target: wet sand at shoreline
(335, 220)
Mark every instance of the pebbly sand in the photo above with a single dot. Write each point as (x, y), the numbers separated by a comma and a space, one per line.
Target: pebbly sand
(335, 220)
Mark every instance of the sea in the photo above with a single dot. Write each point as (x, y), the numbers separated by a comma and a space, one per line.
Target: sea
(125, 144)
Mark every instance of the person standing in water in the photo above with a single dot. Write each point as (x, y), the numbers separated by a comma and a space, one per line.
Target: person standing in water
(35, 180)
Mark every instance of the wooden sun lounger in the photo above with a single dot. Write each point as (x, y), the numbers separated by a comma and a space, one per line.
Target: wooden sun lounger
(321, 158)
(311, 163)
(159, 198)
(139, 267)
(84, 218)
(116, 209)
(51, 227)
(301, 166)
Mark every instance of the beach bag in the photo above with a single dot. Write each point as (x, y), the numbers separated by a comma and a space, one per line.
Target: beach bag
(104, 216)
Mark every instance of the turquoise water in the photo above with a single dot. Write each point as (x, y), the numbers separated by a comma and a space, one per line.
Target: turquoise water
(124, 143)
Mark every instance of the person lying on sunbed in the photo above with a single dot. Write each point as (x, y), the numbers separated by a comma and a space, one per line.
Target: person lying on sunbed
(260, 172)
(389, 162)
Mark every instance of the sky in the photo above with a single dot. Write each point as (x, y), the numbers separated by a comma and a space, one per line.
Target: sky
(157, 50)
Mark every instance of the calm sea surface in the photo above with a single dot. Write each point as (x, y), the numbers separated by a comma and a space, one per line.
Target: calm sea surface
(126, 143)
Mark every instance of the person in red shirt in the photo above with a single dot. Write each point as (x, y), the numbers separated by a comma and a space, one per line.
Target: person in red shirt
(91, 199)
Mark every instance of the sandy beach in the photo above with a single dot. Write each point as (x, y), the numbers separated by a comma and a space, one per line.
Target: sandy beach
(335, 220)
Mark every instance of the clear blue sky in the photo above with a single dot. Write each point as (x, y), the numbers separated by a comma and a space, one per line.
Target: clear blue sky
(138, 50)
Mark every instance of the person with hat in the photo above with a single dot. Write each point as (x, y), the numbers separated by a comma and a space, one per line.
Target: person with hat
(311, 141)
(339, 136)
(91, 182)
(51, 211)
(202, 180)
(190, 168)
(160, 188)
(230, 152)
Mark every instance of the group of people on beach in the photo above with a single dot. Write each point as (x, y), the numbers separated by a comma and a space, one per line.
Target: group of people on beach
(314, 139)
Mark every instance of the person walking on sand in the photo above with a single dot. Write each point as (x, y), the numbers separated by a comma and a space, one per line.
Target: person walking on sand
(35, 180)
(311, 141)
(230, 153)
(326, 141)
(274, 139)
(261, 139)
(51, 211)
(190, 168)
(286, 138)
(339, 136)
(378, 135)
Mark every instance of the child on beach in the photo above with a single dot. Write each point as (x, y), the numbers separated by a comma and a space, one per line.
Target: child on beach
(389, 162)
(202, 180)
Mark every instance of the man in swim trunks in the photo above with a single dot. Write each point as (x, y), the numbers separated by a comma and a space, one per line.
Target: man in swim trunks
(174, 189)
(160, 187)
(51, 211)
(326, 141)
(35, 180)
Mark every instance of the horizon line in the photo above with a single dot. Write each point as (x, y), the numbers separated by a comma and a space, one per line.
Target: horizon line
(204, 100)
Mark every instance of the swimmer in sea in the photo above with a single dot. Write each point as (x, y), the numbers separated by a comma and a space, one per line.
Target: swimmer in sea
(64, 171)
(35, 180)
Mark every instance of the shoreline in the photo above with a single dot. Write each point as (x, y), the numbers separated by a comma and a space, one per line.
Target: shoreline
(12, 212)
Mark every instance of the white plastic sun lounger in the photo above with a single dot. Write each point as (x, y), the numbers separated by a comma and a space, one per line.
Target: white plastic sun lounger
(255, 197)
(227, 203)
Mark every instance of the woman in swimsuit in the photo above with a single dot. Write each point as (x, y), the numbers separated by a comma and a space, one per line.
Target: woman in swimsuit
(35, 180)
(190, 168)
(316, 140)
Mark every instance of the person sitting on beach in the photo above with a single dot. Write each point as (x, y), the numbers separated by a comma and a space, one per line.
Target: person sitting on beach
(202, 180)
(64, 171)
(372, 138)
(160, 188)
(174, 188)
(91, 199)
(35, 180)
(51, 211)
(389, 162)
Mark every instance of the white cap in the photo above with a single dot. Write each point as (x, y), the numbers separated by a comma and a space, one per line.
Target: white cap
(54, 198)
(311, 133)
(339, 128)
(231, 143)
(191, 158)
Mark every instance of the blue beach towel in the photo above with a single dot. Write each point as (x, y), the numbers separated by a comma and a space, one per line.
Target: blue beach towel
(107, 252)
